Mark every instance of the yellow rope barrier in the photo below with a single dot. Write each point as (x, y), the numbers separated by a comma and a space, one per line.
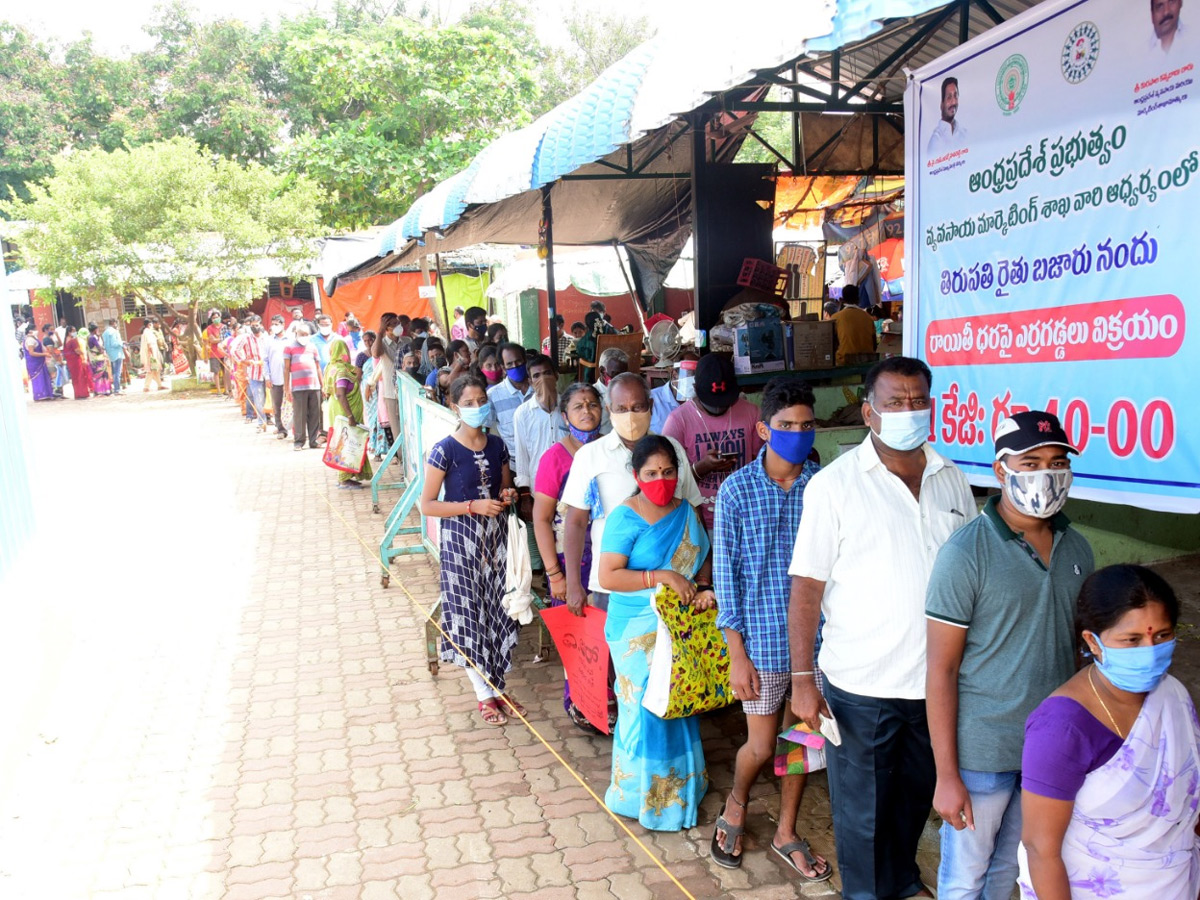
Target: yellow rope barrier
(428, 614)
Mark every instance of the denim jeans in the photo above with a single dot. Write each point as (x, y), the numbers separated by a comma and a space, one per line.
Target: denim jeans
(982, 864)
(256, 395)
(116, 367)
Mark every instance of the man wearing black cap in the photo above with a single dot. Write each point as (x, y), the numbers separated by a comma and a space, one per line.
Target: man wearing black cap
(1000, 612)
(717, 428)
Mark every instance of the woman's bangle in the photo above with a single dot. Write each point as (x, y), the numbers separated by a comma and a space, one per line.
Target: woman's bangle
(560, 576)
(469, 513)
(701, 587)
(799, 674)
(555, 572)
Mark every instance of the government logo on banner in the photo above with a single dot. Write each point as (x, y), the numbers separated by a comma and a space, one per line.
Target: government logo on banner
(1080, 52)
(1012, 81)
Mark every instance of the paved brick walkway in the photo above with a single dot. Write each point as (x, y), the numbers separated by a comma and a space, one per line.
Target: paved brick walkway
(215, 698)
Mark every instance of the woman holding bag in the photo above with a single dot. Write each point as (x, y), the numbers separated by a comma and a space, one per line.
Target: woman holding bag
(473, 468)
(658, 772)
(345, 399)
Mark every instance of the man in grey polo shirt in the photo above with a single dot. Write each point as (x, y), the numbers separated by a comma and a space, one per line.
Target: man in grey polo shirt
(1000, 611)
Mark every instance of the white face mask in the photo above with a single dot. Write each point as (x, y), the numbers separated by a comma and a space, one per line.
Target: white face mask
(303, 339)
(905, 430)
(1040, 494)
(398, 331)
(325, 330)
(276, 329)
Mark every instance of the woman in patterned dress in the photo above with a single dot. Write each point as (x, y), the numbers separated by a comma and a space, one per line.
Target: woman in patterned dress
(98, 360)
(473, 468)
(658, 771)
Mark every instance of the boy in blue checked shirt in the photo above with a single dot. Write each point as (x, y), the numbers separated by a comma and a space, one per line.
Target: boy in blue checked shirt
(757, 516)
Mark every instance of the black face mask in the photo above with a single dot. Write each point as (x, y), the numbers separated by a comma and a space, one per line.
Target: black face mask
(412, 370)
(437, 361)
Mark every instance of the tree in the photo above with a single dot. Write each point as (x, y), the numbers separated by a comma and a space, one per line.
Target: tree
(32, 117)
(598, 39)
(166, 223)
(106, 99)
(397, 107)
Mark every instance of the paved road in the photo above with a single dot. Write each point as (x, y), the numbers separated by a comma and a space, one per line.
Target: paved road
(211, 696)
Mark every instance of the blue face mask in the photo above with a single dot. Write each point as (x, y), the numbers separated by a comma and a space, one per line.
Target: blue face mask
(518, 374)
(584, 437)
(475, 416)
(792, 446)
(1136, 669)
(905, 430)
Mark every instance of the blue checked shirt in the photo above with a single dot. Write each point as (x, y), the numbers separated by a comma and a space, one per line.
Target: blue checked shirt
(754, 536)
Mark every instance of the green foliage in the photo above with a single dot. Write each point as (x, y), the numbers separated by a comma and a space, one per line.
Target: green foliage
(32, 120)
(598, 39)
(373, 102)
(399, 107)
(166, 222)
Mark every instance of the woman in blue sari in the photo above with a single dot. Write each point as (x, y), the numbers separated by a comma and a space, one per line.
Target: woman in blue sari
(380, 439)
(658, 772)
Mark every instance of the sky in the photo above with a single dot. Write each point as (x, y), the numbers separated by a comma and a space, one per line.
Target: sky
(117, 27)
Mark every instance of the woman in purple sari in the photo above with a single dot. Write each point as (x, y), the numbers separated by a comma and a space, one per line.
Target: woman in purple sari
(98, 361)
(36, 365)
(1110, 793)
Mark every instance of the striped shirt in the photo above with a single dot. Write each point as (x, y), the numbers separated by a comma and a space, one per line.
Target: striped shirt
(247, 349)
(306, 367)
(755, 532)
(873, 544)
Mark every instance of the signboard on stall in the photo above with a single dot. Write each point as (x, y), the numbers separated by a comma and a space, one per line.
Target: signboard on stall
(1053, 167)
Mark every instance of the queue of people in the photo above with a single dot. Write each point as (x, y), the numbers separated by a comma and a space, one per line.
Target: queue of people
(867, 599)
(93, 361)
(970, 662)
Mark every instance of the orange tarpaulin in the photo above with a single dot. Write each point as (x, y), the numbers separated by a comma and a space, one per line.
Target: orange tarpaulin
(801, 200)
(371, 297)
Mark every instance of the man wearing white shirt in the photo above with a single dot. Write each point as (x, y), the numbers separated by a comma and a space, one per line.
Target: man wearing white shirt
(1168, 30)
(949, 133)
(873, 522)
(601, 479)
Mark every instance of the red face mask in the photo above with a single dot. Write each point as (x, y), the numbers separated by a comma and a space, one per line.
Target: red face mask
(492, 376)
(658, 492)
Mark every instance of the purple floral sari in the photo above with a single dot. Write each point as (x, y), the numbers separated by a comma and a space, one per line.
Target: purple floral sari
(1132, 832)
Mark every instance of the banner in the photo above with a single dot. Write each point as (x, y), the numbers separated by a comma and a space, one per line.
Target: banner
(584, 652)
(1053, 171)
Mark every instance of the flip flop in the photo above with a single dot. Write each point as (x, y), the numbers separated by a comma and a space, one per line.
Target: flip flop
(722, 851)
(785, 853)
(513, 704)
(721, 856)
(490, 712)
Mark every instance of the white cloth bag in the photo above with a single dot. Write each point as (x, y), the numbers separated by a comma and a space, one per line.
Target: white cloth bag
(657, 694)
(518, 594)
